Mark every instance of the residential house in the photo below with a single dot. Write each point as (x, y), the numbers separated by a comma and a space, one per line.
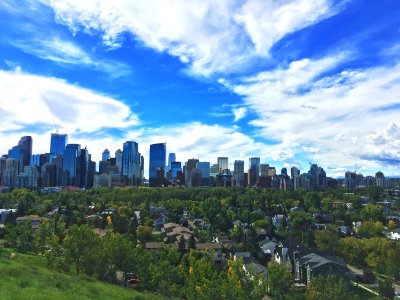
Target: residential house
(34, 220)
(267, 249)
(244, 255)
(312, 265)
(4, 213)
(394, 234)
(252, 269)
(160, 221)
(212, 247)
(278, 220)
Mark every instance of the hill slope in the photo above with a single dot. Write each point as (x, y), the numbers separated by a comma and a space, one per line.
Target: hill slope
(27, 277)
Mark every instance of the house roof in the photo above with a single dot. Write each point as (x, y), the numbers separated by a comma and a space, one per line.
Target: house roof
(208, 246)
(256, 268)
(315, 261)
(170, 225)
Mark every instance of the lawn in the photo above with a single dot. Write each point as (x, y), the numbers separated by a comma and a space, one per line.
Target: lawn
(27, 277)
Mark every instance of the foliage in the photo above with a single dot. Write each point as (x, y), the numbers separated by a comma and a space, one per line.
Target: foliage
(327, 288)
(327, 240)
(26, 277)
(386, 288)
(279, 280)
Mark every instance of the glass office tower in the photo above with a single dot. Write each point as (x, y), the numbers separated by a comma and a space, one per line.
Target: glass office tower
(58, 143)
(158, 154)
(131, 163)
(69, 165)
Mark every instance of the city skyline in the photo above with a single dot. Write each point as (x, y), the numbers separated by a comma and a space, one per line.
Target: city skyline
(290, 82)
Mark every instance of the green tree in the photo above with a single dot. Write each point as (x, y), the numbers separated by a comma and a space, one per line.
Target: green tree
(82, 247)
(115, 256)
(192, 242)
(386, 288)
(327, 240)
(182, 244)
(327, 288)
(312, 200)
(300, 220)
(371, 227)
(279, 280)
(21, 237)
(374, 192)
(372, 212)
(144, 234)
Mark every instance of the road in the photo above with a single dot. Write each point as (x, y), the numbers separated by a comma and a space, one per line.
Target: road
(356, 271)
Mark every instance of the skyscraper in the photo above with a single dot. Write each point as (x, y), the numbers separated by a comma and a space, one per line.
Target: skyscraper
(284, 171)
(158, 154)
(25, 143)
(171, 159)
(22, 152)
(69, 164)
(204, 168)
(131, 163)
(264, 170)
(222, 164)
(254, 170)
(58, 143)
(238, 172)
(118, 160)
(105, 155)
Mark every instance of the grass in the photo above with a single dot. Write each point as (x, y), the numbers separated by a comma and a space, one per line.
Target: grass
(361, 294)
(27, 277)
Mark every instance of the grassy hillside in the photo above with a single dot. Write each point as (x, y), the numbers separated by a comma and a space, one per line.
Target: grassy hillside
(27, 277)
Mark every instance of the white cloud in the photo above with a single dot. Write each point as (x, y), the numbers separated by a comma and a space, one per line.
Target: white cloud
(29, 100)
(343, 113)
(67, 52)
(239, 113)
(268, 21)
(209, 36)
(310, 149)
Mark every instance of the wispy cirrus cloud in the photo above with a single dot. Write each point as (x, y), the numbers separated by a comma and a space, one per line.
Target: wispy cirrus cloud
(66, 52)
(210, 36)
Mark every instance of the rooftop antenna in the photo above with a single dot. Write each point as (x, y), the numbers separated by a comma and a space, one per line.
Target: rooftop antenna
(55, 126)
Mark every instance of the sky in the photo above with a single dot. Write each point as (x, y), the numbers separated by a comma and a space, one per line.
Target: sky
(289, 81)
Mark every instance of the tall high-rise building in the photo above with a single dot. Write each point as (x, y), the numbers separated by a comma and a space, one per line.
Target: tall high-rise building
(25, 143)
(204, 168)
(222, 164)
(294, 172)
(105, 155)
(264, 170)
(157, 165)
(131, 163)
(176, 168)
(238, 172)
(82, 168)
(171, 159)
(70, 164)
(190, 166)
(284, 171)
(58, 142)
(118, 160)
(254, 170)
(22, 152)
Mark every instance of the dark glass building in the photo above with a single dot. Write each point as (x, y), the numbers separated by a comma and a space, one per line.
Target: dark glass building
(158, 153)
(69, 165)
(105, 155)
(58, 143)
(131, 163)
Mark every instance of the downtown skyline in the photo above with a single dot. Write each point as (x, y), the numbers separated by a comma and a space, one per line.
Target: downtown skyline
(286, 81)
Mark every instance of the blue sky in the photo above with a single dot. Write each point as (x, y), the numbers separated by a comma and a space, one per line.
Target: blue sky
(276, 79)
